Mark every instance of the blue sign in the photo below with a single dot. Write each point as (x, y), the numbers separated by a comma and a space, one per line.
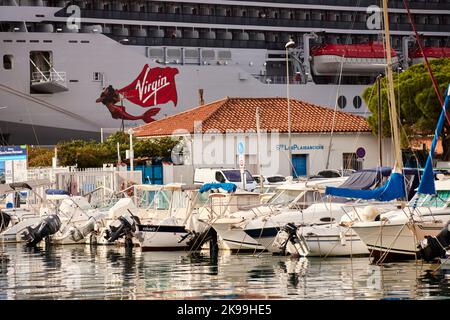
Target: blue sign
(11, 153)
(241, 147)
(297, 147)
(360, 152)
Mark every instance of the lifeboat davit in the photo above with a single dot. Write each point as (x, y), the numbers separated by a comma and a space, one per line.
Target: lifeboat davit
(431, 52)
(356, 59)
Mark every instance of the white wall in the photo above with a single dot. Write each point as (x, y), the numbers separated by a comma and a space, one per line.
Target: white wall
(218, 150)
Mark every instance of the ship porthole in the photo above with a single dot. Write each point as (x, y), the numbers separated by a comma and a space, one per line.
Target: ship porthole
(357, 102)
(342, 102)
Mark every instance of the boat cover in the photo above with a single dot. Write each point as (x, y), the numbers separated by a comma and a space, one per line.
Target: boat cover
(56, 192)
(426, 185)
(229, 187)
(366, 179)
(394, 188)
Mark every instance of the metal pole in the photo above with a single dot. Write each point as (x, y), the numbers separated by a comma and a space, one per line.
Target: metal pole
(258, 131)
(119, 160)
(380, 124)
(130, 132)
(288, 108)
(101, 135)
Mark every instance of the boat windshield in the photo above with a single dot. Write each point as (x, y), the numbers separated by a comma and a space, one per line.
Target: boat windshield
(179, 199)
(308, 198)
(426, 200)
(157, 199)
(284, 197)
(201, 199)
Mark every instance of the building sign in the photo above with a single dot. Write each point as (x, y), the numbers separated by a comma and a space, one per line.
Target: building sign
(297, 147)
(13, 164)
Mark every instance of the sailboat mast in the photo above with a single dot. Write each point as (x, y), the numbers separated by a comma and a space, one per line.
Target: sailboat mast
(391, 95)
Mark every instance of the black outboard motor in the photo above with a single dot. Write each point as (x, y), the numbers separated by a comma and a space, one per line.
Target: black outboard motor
(291, 231)
(432, 248)
(50, 225)
(4, 220)
(124, 226)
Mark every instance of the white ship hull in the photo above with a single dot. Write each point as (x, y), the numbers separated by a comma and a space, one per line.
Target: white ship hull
(75, 112)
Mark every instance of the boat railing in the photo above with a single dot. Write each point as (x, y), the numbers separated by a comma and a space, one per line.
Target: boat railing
(48, 76)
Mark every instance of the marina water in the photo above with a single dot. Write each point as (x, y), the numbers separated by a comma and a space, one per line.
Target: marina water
(110, 272)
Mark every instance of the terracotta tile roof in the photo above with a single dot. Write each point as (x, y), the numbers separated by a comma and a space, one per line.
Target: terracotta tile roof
(240, 114)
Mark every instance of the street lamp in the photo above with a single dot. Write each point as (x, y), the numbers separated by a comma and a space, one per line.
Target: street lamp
(289, 44)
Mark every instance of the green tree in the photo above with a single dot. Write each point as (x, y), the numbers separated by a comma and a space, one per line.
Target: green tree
(87, 154)
(40, 157)
(418, 105)
(156, 147)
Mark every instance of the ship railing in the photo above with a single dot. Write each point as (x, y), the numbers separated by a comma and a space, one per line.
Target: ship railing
(48, 76)
(278, 79)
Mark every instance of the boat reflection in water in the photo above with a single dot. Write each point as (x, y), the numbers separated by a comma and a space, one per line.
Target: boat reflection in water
(111, 272)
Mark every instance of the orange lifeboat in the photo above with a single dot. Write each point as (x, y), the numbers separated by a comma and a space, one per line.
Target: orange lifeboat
(431, 52)
(354, 59)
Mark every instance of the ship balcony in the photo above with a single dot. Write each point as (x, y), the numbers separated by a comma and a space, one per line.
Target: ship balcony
(49, 82)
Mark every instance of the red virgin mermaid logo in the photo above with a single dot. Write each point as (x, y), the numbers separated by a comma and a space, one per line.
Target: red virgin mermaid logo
(153, 86)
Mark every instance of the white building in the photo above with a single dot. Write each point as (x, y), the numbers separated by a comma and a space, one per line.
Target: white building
(211, 134)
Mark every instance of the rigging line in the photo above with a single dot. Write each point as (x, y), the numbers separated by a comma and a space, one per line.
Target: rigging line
(339, 78)
(45, 104)
(333, 122)
(427, 64)
(391, 94)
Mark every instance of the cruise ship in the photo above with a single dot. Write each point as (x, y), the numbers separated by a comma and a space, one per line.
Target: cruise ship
(75, 69)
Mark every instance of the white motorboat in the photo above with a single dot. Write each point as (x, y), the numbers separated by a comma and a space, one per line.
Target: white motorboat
(162, 225)
(398, 233)
(304, 205)
(14, 221)
(228, 213)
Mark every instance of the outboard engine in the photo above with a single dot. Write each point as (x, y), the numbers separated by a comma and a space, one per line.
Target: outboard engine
(435, 247)
(288, 236)
(4, 220)
(124, 226)
(50, 225)
(77, 234)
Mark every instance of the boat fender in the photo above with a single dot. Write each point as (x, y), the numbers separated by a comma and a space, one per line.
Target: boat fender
(47, 227)
(370, 213)
(343, 238)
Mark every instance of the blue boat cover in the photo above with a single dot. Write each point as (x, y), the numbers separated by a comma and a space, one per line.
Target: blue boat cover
(229, 187)
(56, 192)
(366, 179)
(426, 185)
(394, 188)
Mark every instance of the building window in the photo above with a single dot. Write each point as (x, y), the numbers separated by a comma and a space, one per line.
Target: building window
(350, 161)
(8, 61)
